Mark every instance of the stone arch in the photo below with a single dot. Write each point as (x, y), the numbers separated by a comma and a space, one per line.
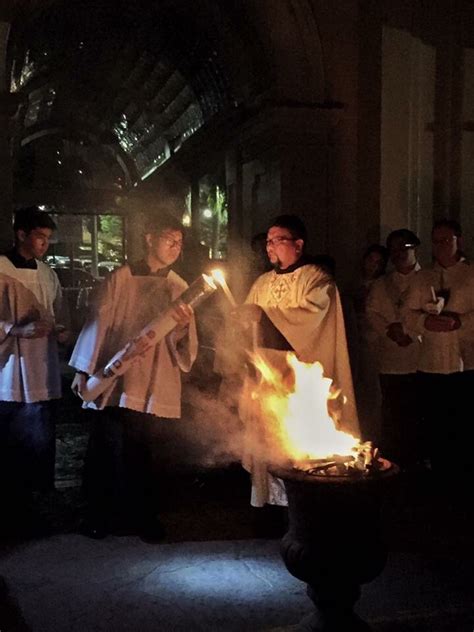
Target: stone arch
(243, 64)
(119, 156)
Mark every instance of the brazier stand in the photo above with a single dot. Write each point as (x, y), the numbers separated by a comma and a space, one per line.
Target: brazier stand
(334, 542)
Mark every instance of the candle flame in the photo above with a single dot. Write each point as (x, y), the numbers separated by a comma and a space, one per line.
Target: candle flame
(210, 280)
(219, 277)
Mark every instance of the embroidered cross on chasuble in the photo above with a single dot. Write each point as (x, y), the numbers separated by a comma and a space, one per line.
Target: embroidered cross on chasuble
(280, 287)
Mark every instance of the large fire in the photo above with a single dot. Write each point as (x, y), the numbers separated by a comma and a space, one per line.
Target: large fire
(297, 405)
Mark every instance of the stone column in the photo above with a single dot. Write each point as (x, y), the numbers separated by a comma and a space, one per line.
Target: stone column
(290, 160)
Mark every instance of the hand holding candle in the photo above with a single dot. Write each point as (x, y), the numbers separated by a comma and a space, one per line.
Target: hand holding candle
(177, 314)
(182, 314)
(248, 315)
(436, 305)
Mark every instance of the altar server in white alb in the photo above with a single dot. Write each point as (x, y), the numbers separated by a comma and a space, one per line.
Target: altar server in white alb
(440, 308)
(396, 350)
(297, 308)
(136, 412)
(32, 321)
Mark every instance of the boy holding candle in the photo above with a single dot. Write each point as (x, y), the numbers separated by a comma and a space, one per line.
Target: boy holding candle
(140, 404)
(397, 350)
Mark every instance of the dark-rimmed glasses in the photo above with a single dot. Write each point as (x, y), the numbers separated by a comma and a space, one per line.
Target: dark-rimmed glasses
(170, 242)
(276, 241)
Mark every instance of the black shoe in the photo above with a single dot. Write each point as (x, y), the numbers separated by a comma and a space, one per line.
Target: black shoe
(152, 532)
(94, 530)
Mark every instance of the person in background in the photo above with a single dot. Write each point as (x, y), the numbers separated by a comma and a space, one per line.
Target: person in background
(397, 351)
(440, 308)
(133, 421)
(259, 261)
(366, 381)
(374, 265)
(32, 322)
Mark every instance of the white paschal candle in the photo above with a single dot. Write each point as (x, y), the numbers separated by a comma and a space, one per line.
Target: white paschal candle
(150, 335)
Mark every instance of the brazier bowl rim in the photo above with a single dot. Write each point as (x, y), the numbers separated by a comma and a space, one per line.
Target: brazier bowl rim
(288, 472)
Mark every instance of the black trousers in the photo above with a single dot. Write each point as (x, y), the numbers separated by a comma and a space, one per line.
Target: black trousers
(27, 447)
(400, 432)
(121, 470)
(448, 421)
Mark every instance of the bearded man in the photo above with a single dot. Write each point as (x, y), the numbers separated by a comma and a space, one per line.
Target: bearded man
(295, 308)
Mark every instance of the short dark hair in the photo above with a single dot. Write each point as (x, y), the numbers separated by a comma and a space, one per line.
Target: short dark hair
(406, 235)
(381, 250)
(448, 223)
(375, 248)
(30, 217)
(163, 221)
(293, 223)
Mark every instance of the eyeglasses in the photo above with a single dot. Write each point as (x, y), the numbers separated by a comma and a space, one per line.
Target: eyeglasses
(171, 243)
(276, 241)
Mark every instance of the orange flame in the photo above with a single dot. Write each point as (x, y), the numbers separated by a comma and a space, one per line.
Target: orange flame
(297, 407)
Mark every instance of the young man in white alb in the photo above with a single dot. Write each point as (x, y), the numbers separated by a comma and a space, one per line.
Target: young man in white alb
(440, 308)
(32, 321)
(134, 418)
(396, 350)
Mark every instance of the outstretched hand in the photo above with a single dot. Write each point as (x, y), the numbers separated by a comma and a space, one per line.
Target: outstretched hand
(247, 314)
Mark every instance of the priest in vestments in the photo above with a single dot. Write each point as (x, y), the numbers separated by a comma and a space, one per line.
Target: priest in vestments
(295, 308)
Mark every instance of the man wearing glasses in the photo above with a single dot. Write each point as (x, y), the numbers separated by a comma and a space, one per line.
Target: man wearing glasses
(294, 307)
(440, 308)
(136, 414)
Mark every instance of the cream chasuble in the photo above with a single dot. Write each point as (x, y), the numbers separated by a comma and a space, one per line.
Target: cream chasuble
(304, 306)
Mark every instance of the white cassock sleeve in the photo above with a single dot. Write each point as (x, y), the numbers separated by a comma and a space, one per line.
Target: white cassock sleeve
(91, 341)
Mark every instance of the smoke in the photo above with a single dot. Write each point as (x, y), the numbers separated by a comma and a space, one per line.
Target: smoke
(219, 426)
(214, 429)
(214, 434)
(211, 432)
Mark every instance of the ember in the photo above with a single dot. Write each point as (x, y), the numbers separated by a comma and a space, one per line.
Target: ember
(365, 461)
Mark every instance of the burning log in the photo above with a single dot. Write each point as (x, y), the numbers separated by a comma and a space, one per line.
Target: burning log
(365, 461)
